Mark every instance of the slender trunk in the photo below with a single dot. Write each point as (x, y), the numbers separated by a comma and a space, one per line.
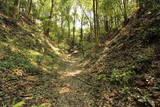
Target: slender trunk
(16, 7)
(62, 26)
(94, 18)
(106, 24)
(125, 11)
(68, 23)
(30, 7)
(74, 26)
(97, 21)
(74, 29)
(81, 35)
(50, 19)
(69, 28)
(95, 13)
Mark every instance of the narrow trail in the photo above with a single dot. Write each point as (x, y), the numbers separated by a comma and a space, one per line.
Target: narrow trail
(72, 91)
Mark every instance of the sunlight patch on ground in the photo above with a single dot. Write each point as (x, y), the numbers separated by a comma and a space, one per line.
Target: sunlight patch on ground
(71, 74)
(18, 72)
(32, 78)
(64, 90)
(34, 53)
(53, 47)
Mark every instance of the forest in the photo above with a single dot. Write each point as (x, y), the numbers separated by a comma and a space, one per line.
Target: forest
(79, 53)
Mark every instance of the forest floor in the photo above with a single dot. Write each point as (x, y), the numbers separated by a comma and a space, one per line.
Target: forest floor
(34, 73)
(73, 90)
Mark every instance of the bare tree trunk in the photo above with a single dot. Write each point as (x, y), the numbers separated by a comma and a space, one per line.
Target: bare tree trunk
(74, 29)
(81, 35)
(62, 25)
(95, 13)
(125, 2)
(68, 23)
(74, 26)
(50, 19)
(16, 7)
(106, 24)
(30, 7)
(69, 28)
(97, 21)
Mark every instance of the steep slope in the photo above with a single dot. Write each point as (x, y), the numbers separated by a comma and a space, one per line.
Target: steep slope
(128, 69)
(28, 63)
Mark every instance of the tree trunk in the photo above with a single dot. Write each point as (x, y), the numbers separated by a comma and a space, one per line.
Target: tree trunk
(124, 2)
(74, 26)
(97, 21)
(50, 19)
(95, 13)
(69, 28)
(16, 7)
(62, 25)
(74, 29)
(30, 7)
(106, 24)
(81, 35)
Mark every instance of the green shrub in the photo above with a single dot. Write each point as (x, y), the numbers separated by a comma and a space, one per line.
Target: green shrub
(145, 99)
(142, 64)
(126, 90)
(17, 61)
(121, 77)
(5, 65)
(118, 77)
(19, 104)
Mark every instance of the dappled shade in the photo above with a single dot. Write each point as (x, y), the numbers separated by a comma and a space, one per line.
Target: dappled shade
(79, 53)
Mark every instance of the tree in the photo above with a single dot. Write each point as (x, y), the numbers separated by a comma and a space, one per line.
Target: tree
(16, 7)
(125, 2)
(30, 6)
(74, 24)
(49, 19)
(96, 22)
(68, 19)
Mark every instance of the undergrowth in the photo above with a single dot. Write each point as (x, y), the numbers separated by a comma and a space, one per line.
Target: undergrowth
(28, 64)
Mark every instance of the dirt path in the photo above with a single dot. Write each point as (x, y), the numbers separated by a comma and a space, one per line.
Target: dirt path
(73, 92)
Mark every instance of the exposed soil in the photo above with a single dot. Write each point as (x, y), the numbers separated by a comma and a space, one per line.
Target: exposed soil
(72, 89)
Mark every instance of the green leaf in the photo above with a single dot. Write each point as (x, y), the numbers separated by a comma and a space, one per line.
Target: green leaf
(151, 102)
(19, 104)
